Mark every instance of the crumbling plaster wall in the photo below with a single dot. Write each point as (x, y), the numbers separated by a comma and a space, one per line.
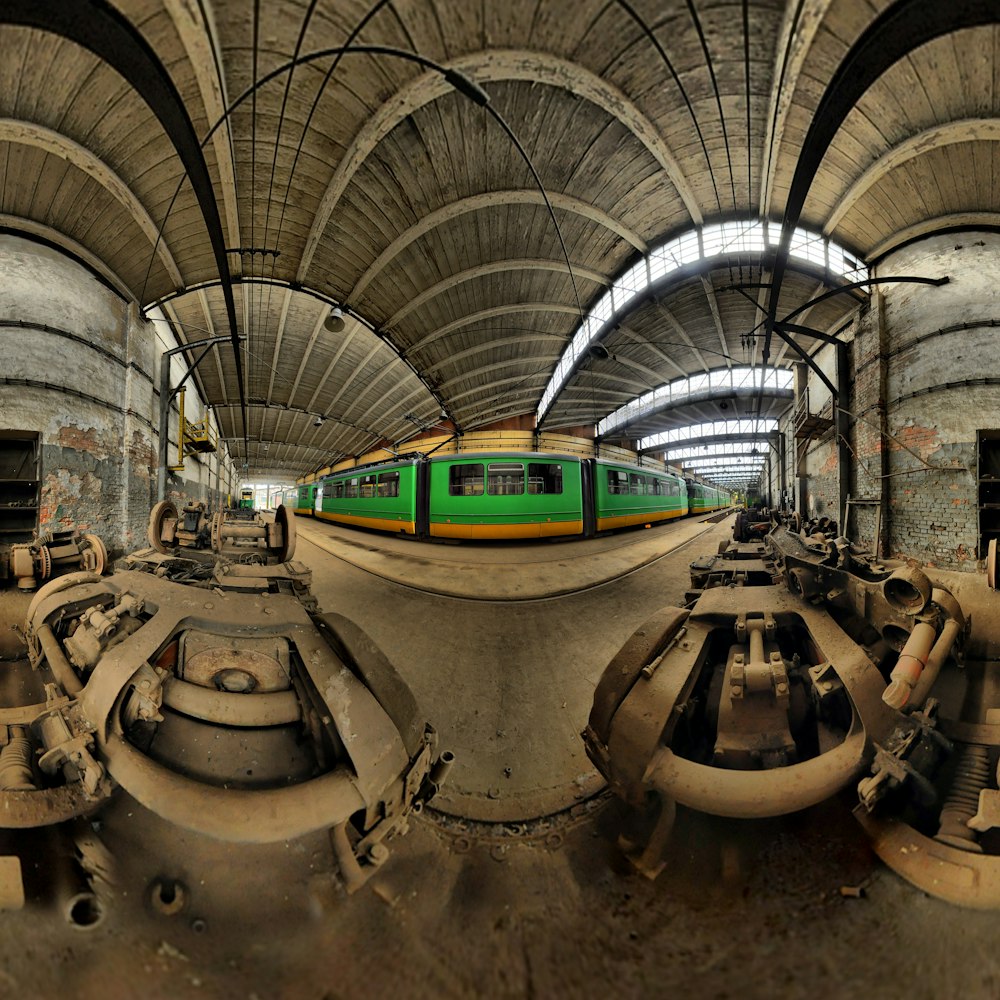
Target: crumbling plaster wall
(939, 342)
(78, 367)
(925, 376)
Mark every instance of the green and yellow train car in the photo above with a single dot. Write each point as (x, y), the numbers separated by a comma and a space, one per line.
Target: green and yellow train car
(382, 497)
(705, 499)
(304, 503)
(501, 495)
(629, 494)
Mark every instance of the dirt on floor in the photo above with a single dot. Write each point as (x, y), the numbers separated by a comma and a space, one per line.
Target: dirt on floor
(501, 908)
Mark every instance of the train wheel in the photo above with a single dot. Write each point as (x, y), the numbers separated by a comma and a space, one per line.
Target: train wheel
(218, 520)
(163, 511)
(287, 524)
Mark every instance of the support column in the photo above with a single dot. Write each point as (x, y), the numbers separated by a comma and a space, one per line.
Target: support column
(801, 402)
(842, 425)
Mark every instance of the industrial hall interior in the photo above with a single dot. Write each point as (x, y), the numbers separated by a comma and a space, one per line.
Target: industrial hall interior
(499, 498)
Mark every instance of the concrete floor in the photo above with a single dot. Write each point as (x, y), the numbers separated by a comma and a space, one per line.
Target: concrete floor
(505, 906)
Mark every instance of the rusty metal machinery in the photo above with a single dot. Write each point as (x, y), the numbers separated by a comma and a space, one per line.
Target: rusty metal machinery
(760, 700)
(170, 529)
(271, 537)
(751, 523)
(52, 554)
(173, 654)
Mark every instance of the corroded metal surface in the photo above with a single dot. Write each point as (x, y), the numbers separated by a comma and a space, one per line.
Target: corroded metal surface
(769, 699)
(157, 670)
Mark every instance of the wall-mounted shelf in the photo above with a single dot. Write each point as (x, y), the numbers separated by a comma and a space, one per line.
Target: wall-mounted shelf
(988, 487)
(19, 481)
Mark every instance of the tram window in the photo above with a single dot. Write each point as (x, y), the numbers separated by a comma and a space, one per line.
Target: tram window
(638, 485)
(617, 482)
(388, 484)
(505, 479)
(351, 489)
(544, 478)
(368, 487)
(465, 480)
(336, 490)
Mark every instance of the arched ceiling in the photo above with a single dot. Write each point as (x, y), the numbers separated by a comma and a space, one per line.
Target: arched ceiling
(382, 187)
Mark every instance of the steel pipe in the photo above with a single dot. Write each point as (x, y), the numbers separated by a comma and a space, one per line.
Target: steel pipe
(237, 816)
(909, 666)
(224, 708)
(61, 668)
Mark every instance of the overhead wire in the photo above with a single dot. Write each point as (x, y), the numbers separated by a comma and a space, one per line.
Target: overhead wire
(251, 338)
(274, 163)
(650, 34)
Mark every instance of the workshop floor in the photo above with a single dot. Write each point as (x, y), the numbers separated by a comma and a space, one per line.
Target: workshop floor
(503, 906)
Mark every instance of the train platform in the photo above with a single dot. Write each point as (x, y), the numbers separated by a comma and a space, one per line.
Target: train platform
(504, 571)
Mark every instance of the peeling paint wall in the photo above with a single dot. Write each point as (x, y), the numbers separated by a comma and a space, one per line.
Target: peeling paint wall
(925, 376)
(939, 342)
(80, 367)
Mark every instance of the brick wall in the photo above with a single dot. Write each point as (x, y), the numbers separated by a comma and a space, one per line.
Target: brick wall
(921, 362)
(937, 341)
(79, 367)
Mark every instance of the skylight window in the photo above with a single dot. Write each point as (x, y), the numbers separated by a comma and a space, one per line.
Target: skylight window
(718, 239)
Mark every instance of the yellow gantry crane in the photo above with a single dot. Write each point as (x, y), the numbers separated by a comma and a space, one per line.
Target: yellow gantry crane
(194, 437)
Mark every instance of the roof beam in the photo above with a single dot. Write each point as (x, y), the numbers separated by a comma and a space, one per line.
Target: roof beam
(476, 203)
(282, 319)
(196, 31)
(494, 267)
(491, 313)
(947, 134)
(713, 305)
(798, 31)
(498, 64)
(681, 332)
(39, 137)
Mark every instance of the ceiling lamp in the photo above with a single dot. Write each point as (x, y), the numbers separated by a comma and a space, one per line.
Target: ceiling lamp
(335, 321)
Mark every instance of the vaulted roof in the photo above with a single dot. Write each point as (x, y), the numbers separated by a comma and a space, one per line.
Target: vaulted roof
(372, 182)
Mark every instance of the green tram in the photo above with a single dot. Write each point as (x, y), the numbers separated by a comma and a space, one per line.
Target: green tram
(380, 496)
(503, 495)
(304, 500)
(625, 495)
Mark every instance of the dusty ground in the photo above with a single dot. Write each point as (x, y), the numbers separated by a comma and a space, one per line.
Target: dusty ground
(502, 909)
